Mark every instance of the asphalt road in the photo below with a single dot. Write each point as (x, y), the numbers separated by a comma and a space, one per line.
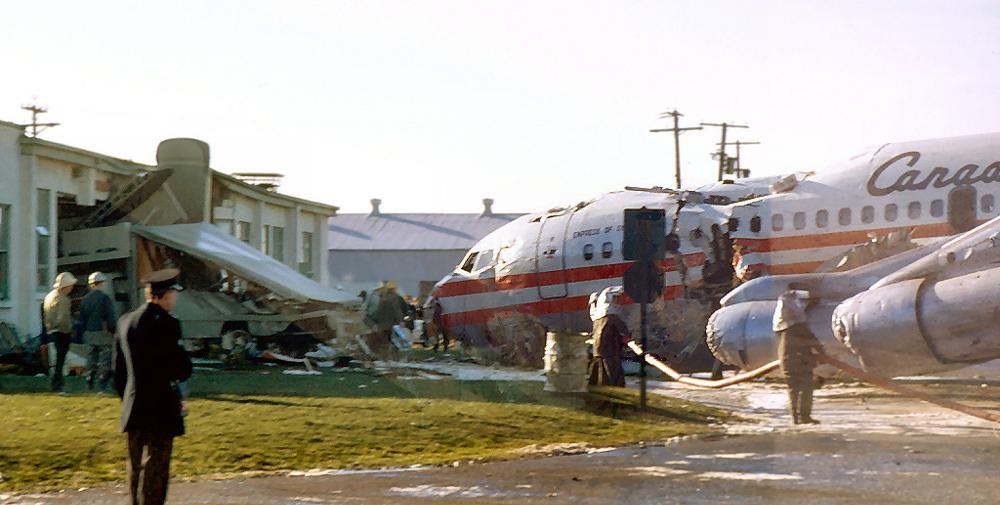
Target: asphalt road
(872, 448)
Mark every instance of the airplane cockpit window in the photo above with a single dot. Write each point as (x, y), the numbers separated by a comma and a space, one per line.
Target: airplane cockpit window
(867, 214)
(987, 204)
(822, 218)
(469, 261)
(483, 261)
(913, 210)
(588, 252)
(777, 222)
(937, 208)
(891, 212)
(755, 224)
(799, 220)
(844, 216)
(606, 249)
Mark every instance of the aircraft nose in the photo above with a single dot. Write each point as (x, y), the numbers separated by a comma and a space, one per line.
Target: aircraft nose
(741, 335)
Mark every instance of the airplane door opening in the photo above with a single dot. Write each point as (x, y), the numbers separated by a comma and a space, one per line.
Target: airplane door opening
(962, 209)
(550, 258)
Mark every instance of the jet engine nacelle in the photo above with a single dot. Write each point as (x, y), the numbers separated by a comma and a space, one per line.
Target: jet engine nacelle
(741, 334)
(922, 325)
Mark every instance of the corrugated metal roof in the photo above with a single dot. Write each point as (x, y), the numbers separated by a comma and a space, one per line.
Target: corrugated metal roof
(353, 232)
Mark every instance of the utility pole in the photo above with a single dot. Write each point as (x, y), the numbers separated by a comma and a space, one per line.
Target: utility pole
(677, 140)
(37, 127)
(740, 171)
(722, 145)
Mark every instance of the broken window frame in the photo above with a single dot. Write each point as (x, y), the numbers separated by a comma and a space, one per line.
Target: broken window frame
(470, 259)
(487, 256)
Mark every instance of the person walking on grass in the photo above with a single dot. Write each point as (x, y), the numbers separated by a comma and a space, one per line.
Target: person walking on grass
(149, 364)
(59, 323)
(98, 318)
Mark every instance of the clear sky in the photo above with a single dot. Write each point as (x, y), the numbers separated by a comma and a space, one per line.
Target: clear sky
(433, 105)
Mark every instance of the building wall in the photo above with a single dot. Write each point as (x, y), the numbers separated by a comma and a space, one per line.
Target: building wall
(265, 218)
(352, 271)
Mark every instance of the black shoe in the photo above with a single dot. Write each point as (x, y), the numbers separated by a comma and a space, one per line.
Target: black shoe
(809, 420)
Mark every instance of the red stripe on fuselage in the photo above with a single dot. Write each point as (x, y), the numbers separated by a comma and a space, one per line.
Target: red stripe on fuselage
(540, 308)
(842, 238)
(535, 279)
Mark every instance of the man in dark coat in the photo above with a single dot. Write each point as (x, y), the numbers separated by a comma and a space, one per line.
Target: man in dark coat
(797, 349)
(609, 335)
(149, 363)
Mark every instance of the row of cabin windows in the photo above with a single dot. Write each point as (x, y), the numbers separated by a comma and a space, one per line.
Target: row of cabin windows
(606, 250)
(890, 213)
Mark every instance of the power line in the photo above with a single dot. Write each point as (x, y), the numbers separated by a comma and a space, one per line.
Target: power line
(722, 145)
(35, 126)
(738, 170)
(677, 130)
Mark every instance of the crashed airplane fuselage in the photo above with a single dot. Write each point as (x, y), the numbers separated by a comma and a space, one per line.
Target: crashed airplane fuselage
(540, 269)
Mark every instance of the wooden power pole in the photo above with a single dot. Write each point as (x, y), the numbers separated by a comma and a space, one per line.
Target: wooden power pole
(677, 130)
(37, 127)
(738, 170)
(722, 144)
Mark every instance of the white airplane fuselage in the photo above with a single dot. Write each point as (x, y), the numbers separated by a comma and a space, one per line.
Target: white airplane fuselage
(544, 266)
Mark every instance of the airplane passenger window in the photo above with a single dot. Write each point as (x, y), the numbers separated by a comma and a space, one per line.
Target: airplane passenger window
(822, 218)
(755, 224)
(844, 216)
(799, 220)
(891, 212)
(937, 208)
(777, 222)
(913, 210)
(606, 249)
(483, 261)
(867, 214)
(469, 261)
(987, 204)
(588, 252)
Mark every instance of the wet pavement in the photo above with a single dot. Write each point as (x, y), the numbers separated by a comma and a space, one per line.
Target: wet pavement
(871, 448)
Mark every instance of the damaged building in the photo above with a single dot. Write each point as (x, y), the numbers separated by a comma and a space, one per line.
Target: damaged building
(252, 258)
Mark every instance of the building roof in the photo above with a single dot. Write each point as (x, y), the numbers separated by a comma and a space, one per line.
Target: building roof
(371, 232)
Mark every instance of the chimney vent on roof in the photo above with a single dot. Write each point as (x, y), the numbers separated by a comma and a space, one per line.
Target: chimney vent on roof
(375, 210)
(487, 207)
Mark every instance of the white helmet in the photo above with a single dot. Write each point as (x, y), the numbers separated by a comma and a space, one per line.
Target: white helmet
(96, 278)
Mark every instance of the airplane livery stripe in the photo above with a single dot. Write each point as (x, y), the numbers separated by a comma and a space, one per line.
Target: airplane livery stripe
(552, 277)
(843, 238)
(539, 308)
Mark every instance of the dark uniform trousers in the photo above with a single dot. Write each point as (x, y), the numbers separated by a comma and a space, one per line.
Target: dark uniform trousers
(148, 466)
(61, 341)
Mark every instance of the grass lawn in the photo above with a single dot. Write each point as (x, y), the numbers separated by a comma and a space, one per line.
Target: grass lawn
(264, 421)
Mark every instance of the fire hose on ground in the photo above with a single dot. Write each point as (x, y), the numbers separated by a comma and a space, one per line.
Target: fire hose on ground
(851, 370)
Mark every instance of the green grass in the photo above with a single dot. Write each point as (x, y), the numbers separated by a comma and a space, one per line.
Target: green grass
(263, 421)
